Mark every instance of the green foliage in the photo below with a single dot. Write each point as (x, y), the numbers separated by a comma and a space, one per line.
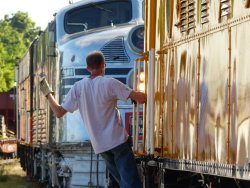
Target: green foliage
(16, 34)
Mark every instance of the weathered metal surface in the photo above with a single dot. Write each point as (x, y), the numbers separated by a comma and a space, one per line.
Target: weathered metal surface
(201, 93)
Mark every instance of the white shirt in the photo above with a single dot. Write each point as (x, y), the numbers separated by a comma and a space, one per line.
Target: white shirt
(96, 100)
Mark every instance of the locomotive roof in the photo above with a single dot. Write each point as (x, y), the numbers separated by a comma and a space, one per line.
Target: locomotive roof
(79, 3)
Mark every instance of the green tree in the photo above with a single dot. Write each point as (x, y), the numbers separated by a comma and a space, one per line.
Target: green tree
(16, 34)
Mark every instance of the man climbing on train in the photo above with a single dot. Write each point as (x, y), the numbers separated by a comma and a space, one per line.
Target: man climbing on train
(96, 98)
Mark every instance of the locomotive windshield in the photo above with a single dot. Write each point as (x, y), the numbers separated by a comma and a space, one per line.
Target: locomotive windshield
(96, 15)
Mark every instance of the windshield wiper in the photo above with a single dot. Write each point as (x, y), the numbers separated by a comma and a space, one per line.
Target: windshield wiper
(84, 25)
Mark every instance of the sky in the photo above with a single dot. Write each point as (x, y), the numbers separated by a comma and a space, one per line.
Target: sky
(40, 11)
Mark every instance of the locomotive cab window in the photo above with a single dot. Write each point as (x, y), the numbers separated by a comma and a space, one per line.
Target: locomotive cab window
(88, 17)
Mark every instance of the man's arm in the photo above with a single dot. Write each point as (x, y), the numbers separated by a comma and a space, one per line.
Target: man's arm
(58, 110)
(138, 96)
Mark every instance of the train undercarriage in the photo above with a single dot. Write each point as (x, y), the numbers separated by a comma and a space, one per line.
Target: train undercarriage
(168, 173)
(67, 165)
(76, 165)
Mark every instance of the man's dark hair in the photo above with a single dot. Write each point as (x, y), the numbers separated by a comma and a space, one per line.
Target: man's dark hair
(95, 59)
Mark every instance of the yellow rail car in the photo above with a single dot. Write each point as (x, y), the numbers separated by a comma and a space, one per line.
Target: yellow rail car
(196, 64)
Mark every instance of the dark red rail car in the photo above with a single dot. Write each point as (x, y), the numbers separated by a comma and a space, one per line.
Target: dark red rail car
(7, 109)
(8, 144)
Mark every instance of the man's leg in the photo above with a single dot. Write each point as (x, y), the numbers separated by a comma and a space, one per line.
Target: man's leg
(108, 157)
(126, 165)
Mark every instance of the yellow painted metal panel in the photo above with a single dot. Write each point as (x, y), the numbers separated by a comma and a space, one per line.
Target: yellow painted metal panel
(201, 81)
(240, 98)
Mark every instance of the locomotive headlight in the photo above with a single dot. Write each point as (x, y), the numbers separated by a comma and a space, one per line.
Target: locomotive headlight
(142, 77)
(141, 87)
(141, 82)
(136, 38)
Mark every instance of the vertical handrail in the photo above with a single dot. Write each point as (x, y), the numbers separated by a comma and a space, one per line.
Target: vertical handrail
(150, 103)
(140, 63)
(134, 106)
(145, 105)
(17, 100)
(137, 109)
